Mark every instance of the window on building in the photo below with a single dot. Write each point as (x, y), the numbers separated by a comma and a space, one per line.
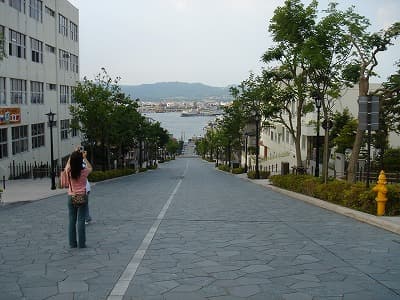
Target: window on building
(74, 132)
(62, 25)
(3, 91)
(17, 44)
(74, 63)
(51, 87)
(50, 12)
(64, 94)
(2, 39)
(37, 50)
(3, 143)
(50, 49)
(73, 88)
(74, 31)
(19, 137)
(64, 128)
(63, 59)
(18, 5)
(287, 136)
(37, 92)
(36, 10)
(37, 132)
(18, 91)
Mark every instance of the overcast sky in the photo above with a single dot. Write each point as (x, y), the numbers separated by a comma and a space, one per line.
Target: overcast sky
(216, 42)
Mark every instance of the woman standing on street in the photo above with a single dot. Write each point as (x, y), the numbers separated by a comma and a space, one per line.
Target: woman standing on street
(77, 174)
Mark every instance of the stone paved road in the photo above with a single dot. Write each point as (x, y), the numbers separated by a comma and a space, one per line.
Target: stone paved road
(219, 238)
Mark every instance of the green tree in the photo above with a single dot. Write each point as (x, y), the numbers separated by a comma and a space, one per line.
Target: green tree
(366, 47)
(106, 117)
(92, 112)
(343, 131)
(172, 146)
(291, 27)
(327, 52)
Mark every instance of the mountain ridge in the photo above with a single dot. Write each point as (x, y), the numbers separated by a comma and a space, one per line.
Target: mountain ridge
(175, 91)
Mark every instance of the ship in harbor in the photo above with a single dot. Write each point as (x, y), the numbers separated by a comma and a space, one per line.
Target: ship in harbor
(201, 113)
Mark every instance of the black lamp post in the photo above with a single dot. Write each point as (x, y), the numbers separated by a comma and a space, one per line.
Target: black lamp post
(217, 158)
(245, 151)
(257, 119)
(51, 115)
(318, 103)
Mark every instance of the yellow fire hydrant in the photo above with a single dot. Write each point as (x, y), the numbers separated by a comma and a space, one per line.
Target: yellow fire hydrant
(381, 189)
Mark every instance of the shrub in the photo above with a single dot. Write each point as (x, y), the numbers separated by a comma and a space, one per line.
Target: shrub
(96, 176)
(225, 168)
(290, 182)
(355, 196)
(332, 191)
(142, 170)
(239, 170)
(263, 174)
(152, 167)
(393, 203)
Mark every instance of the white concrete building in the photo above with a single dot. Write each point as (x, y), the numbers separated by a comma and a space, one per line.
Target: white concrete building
(277, 145)
(38, 75)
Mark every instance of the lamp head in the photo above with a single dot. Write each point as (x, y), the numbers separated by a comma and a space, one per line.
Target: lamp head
(51, 115)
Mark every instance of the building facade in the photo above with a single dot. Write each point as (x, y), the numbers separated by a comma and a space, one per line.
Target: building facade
(38, 74)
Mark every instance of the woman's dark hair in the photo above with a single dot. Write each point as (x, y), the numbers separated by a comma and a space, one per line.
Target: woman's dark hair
(76, 163)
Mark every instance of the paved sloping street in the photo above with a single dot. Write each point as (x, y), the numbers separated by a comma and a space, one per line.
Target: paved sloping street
(188, 231)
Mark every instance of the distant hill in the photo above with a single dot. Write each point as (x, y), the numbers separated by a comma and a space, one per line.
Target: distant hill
(176, 91)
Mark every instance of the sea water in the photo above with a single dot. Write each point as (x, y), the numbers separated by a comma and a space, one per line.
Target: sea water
(182, 128)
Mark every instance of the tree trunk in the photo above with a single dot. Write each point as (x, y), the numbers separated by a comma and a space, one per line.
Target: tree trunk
(355, 153)
(298, 135)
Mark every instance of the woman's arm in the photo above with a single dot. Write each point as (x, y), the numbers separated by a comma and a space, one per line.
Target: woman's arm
(88, 165)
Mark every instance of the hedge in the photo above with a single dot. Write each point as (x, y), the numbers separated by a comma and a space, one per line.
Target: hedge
(225, 168)
(239, 170)
(355, 196)
(263, 174)
(103, 175)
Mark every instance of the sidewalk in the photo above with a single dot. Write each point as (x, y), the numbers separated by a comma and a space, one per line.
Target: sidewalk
(23, 190)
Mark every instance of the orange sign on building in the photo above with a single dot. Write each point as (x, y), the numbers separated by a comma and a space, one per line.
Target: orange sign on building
(10, 115)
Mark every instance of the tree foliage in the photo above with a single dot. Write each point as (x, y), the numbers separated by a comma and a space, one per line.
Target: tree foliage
(109, 119)
(366, 46)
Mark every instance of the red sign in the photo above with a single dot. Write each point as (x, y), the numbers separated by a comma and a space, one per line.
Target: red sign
(10, 115)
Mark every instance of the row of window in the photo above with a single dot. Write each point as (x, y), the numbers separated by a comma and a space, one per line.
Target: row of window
(66, 28)
(20, 137)
(36, 12)
(18, 92)
(17, 48)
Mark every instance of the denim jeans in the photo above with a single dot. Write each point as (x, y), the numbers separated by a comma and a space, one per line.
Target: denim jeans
(88, 218)
(76, 215)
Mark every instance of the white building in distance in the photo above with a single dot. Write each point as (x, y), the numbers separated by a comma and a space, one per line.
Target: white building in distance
(37, 75)
(277, 145)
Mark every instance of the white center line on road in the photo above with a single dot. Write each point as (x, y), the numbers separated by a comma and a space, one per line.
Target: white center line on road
(120, 288)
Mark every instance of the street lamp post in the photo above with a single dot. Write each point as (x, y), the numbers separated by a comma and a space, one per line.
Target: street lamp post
(51, 115)
(245, 151)
(318, 103)
(257, 119)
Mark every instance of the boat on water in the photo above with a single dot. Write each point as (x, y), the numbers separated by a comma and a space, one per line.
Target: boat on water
(201, 113)
(190, 113)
